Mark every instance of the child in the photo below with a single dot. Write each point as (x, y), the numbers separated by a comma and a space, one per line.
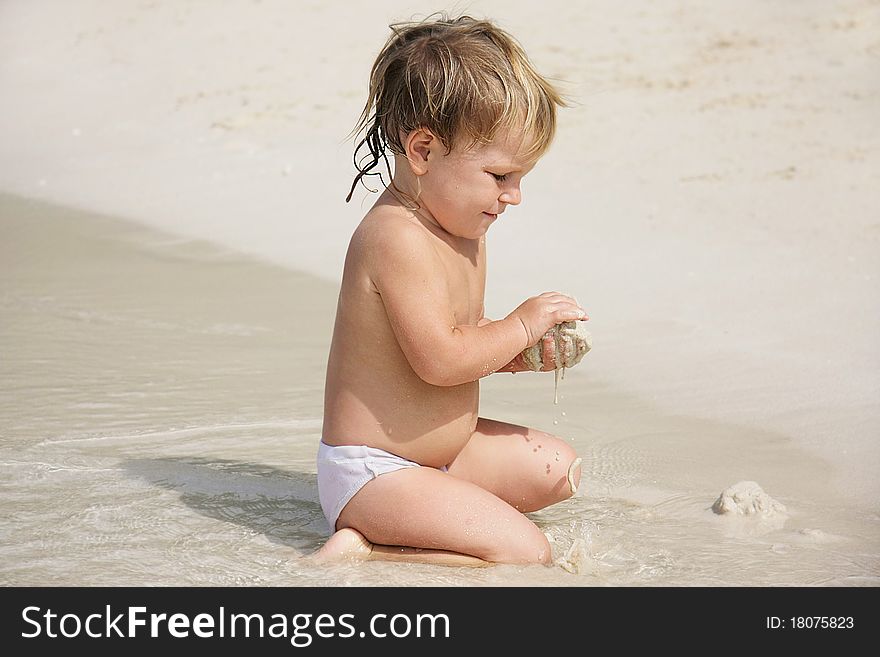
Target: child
(406, 468)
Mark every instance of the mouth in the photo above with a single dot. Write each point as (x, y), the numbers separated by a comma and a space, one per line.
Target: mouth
(491, 216)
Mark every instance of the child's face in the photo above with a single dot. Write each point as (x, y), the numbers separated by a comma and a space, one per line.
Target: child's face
(466, 190)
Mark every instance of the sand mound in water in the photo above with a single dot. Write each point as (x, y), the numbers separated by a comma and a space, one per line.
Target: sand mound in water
(747, 498)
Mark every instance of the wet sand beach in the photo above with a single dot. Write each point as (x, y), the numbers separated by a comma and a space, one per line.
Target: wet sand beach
(161, 407)
(172, 235)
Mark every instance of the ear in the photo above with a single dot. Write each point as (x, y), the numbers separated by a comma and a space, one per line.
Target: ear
(418, 145)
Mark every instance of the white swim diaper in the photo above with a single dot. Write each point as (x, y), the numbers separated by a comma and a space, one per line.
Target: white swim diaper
(344, 469)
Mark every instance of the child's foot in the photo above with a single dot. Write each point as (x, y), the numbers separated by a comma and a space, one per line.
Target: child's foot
(345, 544)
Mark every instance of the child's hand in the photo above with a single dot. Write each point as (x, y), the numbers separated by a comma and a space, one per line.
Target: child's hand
(563, 346)
(541, 313)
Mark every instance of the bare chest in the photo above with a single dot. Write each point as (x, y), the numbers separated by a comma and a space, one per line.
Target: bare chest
(466, 281)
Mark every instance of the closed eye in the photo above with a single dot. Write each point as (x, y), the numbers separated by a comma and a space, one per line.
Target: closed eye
(500, 177)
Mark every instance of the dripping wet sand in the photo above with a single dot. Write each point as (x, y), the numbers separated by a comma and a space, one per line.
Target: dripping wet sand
(160, 408)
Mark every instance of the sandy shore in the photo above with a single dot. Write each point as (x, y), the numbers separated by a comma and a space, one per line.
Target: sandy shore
(160, 407)
(712, 191)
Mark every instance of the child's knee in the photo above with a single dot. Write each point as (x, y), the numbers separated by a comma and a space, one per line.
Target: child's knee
(567, 473)
(534, 549)
(567, 454)
(537, 550)
(545, 552)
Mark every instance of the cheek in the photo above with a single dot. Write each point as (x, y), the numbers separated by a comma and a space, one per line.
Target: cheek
(457, 190)
(453, 189)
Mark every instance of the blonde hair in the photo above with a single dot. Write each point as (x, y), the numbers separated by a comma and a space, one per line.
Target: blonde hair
(462, 79)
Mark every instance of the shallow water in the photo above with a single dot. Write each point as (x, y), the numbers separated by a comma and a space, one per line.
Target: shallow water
(160, 408)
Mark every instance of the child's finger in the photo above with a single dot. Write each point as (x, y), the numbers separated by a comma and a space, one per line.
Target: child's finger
(569, 314)
(548, 351)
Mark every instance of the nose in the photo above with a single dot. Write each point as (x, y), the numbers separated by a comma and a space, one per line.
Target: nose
(511, 195)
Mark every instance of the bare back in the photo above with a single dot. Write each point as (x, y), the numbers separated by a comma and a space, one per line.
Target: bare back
(373, 395)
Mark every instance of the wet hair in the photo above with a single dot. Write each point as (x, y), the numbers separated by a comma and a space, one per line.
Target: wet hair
(461, 78)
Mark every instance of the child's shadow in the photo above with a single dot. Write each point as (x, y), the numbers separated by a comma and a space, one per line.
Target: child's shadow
(281, 504)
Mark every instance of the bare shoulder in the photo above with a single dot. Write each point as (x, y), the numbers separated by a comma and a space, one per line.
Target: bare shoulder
(385, 239)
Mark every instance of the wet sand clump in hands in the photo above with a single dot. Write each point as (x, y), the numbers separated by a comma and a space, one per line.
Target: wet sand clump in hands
(572, 343)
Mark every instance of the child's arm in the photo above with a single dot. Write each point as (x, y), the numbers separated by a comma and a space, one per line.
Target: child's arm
(563, 346)
(518, 364)
(412, 281)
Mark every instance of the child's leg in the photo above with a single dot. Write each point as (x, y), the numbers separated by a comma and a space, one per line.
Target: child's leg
(438, 518)
(348, 543)
(527, 468)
